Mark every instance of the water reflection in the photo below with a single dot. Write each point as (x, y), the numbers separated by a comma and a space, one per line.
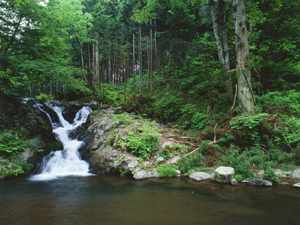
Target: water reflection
(114, 200)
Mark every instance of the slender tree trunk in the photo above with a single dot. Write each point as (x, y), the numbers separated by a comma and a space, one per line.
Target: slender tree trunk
(89, 53)
(220, 18)
(242, 57)
(151, 58)
(140, 61)
(82, 62)
(96, 76)
(155, 47)
(109, 64)
(133, 53)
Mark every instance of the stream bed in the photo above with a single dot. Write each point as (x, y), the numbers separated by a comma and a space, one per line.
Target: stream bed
(110, 200)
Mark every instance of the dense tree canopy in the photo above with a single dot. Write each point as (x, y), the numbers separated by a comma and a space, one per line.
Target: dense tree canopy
(56, 46)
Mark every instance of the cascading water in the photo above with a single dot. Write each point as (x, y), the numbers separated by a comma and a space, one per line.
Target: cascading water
(66, 162)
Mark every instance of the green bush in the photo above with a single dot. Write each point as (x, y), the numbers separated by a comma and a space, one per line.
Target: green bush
(10, 143)
(44, 97)
(270, 175)
(168, 108)
(143, 141)
(166, 170)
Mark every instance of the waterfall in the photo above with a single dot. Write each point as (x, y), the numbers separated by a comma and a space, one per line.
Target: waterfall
(66, 162)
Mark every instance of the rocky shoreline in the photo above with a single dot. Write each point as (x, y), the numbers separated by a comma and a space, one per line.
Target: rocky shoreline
(108, 153)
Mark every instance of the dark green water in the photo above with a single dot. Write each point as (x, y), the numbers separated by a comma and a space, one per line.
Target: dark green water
(115, 200)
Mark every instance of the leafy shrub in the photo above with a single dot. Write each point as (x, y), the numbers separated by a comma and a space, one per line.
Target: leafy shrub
(44, 97)
(10, 144)
(122, 119)
(166, 170)
(190, 162)
(249, 125)
(192, 118)
(144, 141)
(270, 175)
(238, 161)
(168, 108)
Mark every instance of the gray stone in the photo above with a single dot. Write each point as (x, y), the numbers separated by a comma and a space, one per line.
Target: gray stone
(108, 127)
(25, 155)
(260, 183)
(297, 185)
(174, 160)
(296, 174)
(198, 176)
(223, 174)
(168, 143)
(234, 182)
(284, 183)
(280, 173)
(141, 175)
(159, 160)
(132, 165)
(260, 173)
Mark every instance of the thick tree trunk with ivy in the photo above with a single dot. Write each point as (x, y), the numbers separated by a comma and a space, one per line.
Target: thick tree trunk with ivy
(219, 19)
(242, 57)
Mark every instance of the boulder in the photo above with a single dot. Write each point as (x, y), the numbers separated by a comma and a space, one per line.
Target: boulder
(141, 175)
(174, 160)
(259, 183)
(132, 165)
(234, 182)
(296, 174)
(223, 174)
(167, 145)
(198, 176)
(178, 173)
(297, 185)
(159, 160)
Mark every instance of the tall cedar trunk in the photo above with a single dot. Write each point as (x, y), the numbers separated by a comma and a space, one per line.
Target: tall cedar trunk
(96, 74)
(127, 72)
(242, 56)
(155, 47)
(151, 58)
(109, 65)
(220, 18)
(89, 53)
(82, 61)
(50, 87)
(133, 53)
(140, 60)
(93, 65)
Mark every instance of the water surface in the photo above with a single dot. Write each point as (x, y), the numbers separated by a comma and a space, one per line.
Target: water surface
(110, 200)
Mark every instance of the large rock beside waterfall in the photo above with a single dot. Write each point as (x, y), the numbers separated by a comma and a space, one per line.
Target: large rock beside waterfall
(223, 174)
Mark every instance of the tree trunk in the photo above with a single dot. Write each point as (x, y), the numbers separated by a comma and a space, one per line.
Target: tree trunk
(96, 75)
(242, 56)
(151, 58)
(155, 47)
(109, 64)
(140, 61)
(219, 19)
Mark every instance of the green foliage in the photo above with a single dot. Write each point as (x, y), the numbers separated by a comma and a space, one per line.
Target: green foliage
(270, 175)
(194, 160)
(143, 141)
(238, 161)
(10, 143)
(238, 177)
(166, 170)
(249, 125)
(168, 108)
(123, 120)
(44, 97)
(192, 118)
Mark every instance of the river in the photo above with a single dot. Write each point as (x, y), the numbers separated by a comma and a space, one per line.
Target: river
(110, 200)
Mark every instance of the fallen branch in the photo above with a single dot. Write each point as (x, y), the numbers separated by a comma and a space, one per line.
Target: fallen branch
(215, 141)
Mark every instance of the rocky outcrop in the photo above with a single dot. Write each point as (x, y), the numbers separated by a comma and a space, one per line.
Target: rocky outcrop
(296, 174)
(223, 174)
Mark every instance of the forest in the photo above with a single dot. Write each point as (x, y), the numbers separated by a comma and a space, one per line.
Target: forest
(224, 71)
